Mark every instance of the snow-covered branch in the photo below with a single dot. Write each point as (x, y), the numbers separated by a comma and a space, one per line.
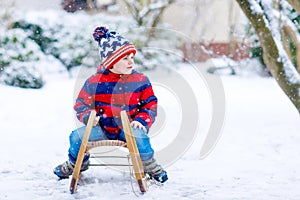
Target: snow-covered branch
(275, 57)
(152, 7)
(295, 4)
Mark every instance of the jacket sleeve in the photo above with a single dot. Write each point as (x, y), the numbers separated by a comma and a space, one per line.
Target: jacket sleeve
(85, 102)
(147, 109)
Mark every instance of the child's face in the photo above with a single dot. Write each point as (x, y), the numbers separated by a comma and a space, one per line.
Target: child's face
(124, 66)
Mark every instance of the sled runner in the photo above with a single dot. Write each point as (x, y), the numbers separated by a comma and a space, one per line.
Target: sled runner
(130, 144)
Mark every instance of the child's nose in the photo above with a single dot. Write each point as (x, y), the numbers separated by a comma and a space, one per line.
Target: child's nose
(131, 61)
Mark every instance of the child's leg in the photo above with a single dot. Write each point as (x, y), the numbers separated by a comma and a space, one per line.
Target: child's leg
(66, 169)
(76, 139)
(142, 143)
(151, 167)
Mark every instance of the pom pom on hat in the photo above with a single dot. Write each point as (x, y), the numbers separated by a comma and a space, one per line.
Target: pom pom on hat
(102, 32)
(99, 33)
(112, 46)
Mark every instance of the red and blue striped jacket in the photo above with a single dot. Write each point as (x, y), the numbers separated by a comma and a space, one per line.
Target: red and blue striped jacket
(109, 93)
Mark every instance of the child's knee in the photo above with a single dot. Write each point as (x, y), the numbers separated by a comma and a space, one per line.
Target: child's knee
(143, 143)
(75, 137)
(140, 134)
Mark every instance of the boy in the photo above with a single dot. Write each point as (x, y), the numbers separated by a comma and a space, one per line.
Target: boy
(115, 87)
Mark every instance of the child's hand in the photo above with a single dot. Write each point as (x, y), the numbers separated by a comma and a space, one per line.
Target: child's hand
(96, 120)
(136, 124)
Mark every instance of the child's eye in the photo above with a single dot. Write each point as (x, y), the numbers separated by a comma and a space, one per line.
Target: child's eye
(125, 58)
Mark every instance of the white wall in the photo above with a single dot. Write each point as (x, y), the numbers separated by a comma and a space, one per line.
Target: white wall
(211, 23)
(205, 20)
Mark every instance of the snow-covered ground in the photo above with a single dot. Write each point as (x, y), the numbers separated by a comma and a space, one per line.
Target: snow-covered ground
(257, 156)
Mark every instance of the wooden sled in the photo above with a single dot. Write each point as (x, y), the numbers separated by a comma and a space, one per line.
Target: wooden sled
(130, 144)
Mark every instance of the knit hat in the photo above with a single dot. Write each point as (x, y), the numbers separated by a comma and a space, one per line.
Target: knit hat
(112, 46)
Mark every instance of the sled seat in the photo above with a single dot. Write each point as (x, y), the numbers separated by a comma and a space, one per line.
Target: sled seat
(105, 155)
(100, 143)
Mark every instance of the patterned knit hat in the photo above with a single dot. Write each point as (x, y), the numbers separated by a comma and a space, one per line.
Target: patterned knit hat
(112, 46)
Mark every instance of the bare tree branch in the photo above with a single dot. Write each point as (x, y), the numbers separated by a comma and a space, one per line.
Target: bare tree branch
(148, 13)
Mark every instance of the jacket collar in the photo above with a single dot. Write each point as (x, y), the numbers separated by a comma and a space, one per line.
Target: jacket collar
(102, 70)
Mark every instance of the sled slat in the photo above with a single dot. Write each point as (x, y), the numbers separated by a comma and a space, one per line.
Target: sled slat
(134, 153)
(82, 150)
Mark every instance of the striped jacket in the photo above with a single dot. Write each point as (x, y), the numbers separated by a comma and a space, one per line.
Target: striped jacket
(109, 93)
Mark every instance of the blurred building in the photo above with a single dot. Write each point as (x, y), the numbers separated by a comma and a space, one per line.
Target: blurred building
(213, 27)
(216, 27)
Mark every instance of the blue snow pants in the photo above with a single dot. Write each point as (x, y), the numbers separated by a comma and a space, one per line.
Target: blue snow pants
(141, 137)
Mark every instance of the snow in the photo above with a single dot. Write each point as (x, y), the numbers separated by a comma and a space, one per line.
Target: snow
(255, 8)
(32, 4)
(256, 157)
